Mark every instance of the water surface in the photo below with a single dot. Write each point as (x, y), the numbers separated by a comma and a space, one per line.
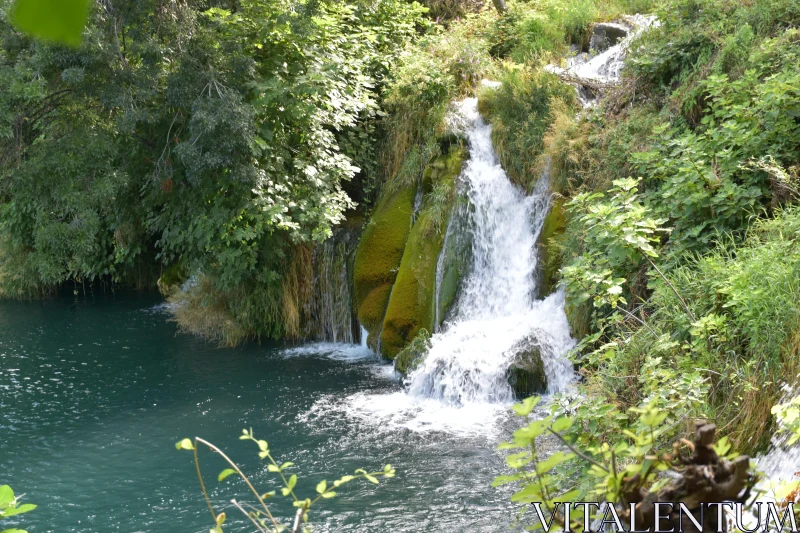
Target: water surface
(95, 392)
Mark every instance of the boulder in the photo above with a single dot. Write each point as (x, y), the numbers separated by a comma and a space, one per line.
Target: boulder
(411, 304)
(526, 374)
(378, 256)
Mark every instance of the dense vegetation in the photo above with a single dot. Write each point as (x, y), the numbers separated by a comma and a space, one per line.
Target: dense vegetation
(220, 141)
(197, 138)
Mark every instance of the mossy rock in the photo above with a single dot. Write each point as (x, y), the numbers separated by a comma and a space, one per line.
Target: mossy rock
(549, 262)
(409, 357)
(526, 374)
(379, 254)
(457, 258)
(172, 277)
(412, 301)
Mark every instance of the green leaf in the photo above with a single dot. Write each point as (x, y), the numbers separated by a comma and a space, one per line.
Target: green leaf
(342, 480)
(321, 486)
(292, 481)
(561, 424)
(24, 508)
(185, 444)
(329, 494)
(371, 479)
(552, 461)
(61, 21)
(525, 407)
(6, 495)
(225, 473)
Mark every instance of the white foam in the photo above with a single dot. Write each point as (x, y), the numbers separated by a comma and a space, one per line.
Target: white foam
(390, 412)
(331, 350)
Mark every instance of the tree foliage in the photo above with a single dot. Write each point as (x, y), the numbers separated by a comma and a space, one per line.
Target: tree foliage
(203, 134)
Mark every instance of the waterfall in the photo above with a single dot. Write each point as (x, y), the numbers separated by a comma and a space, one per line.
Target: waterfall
(496, 311)
(328, 312)
(609, 46)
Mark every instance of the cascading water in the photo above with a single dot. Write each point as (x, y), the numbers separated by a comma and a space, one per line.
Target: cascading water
(497, 311)
(327, 313)
(606, 58)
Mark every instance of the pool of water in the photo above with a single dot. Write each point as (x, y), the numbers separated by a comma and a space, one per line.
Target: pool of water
(95, 392)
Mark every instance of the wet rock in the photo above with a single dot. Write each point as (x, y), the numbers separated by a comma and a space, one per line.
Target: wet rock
(410, 356)
(549, 262)
(607, 34)
(411, 305)
(455, 259)
(526, 374)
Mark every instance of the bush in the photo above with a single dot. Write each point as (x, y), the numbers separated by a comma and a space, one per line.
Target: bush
(521, 111)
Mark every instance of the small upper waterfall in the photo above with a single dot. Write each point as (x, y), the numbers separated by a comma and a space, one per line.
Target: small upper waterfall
(604, 62)
(496, 311)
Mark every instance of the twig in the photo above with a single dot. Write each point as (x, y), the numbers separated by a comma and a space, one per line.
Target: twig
(203, 485)
(253, 520)
(639, 320)
(577, 452)
(238, 471)
(671, 286)
(297, 517)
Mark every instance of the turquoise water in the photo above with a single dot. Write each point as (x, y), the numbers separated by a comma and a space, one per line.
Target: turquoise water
(95, 392)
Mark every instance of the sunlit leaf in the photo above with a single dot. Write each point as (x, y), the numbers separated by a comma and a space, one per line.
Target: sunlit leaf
(185, 444)
(225, 473)
(52, 20)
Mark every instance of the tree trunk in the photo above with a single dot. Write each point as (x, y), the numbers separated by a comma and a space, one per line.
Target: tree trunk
(500, 5)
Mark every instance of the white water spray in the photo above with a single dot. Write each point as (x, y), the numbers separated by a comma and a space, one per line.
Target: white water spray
(605, 61)
(497, 311)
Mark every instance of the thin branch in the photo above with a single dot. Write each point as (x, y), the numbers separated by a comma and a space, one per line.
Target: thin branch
(671, 286)
(203, 485)
(248, 515)
(577, 452)
(241, 474)
(639, 320)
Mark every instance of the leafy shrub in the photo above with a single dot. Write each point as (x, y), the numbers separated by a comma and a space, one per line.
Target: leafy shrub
(260, 514)
(10, 506)
(521, 111)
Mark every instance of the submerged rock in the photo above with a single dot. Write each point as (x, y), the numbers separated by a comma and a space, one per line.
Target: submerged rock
(526, 375)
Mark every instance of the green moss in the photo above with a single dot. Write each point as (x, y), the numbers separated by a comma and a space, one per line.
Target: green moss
(408, 358)
(549, 260)
(411, 305)
(378, 256)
